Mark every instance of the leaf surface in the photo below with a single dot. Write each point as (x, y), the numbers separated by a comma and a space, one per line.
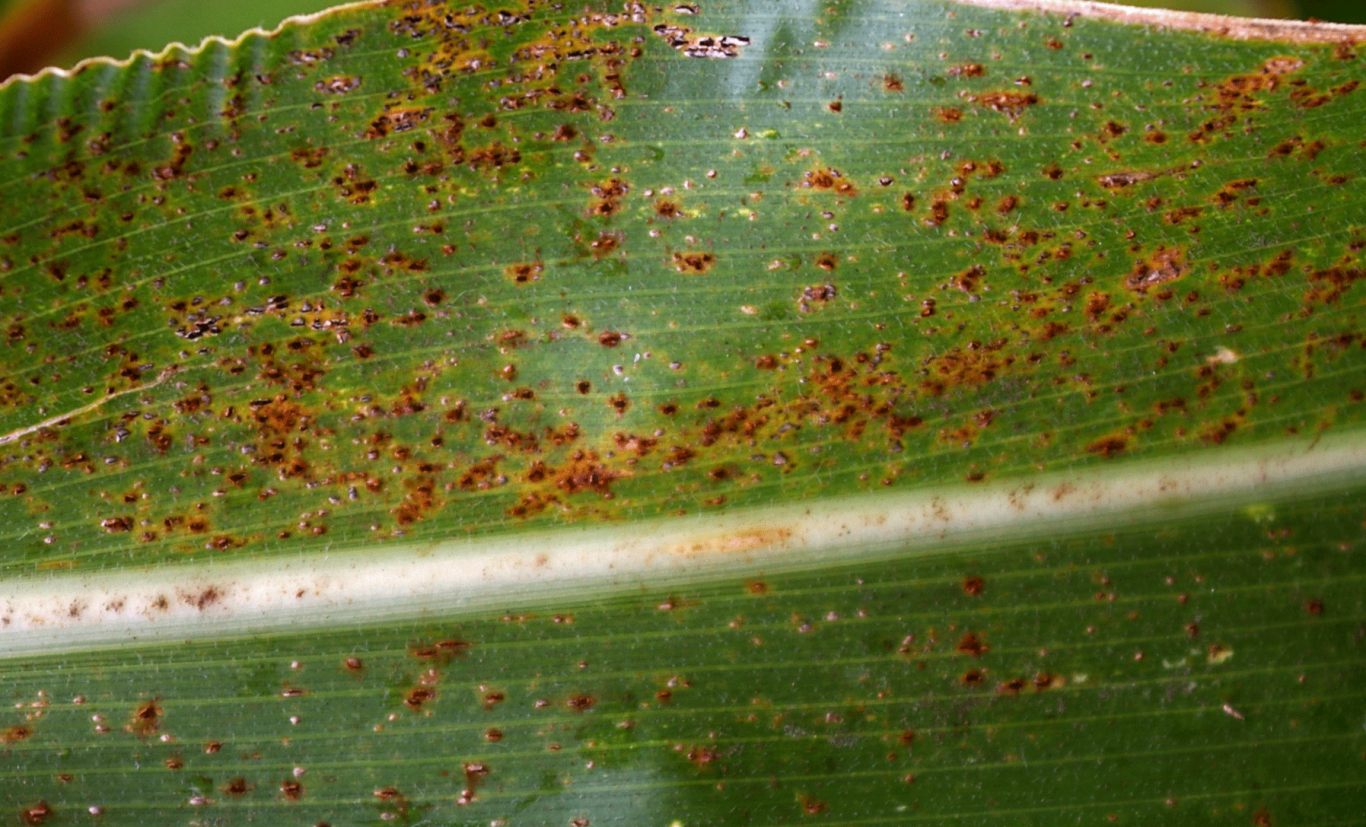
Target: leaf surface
(760, 413)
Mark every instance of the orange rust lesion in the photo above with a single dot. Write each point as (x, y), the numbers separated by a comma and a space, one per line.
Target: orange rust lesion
(418, 502)
(693, 263)
(965, 367)
(585, 472)
(1109, 446)
(524, 272)
(1327, 286)
(828, 178)
(607, 197)
(396, 119)
(971, 644)
(1239, 95)
(1127, 178)
(814, 296)
(1008, 103)
(1182, 214)
(605, 244)
(146, 719)
(1164, 265)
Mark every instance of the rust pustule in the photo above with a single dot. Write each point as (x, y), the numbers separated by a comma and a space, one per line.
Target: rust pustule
(1164, 265)
(693, 263)
(1010, 104)
(146, 719)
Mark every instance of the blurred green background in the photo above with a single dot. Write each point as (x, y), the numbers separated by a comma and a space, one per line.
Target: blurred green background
(37, 33)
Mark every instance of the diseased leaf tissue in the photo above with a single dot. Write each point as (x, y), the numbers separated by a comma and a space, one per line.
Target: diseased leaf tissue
(415, 271)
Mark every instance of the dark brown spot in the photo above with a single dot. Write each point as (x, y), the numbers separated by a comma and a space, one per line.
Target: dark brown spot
(418, 696)
(811, 806)
(37, 813)
(828, 179)
(820, 293)
(693, 263)
(418, 502)
(971, 645)
(939, 213)
(584, 473)
(579, 703)
(973, 586)
(146, 719)
(1010, 104)
(1181, 214)
(1164, 265)
(1120, 180)
(525, 273)
(338, 85)
(1109, 446)
(115, 525)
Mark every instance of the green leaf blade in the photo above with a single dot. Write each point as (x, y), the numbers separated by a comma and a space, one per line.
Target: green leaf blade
(787, 324)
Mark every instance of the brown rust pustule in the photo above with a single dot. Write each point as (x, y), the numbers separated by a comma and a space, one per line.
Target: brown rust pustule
(146, 719)
(1009, 103)
(584, 472)
(418, 502)
(1164, 265)
(693, 263)
(972, 645)
(828, 179)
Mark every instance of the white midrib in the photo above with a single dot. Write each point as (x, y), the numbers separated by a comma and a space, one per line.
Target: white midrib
(70, 611)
